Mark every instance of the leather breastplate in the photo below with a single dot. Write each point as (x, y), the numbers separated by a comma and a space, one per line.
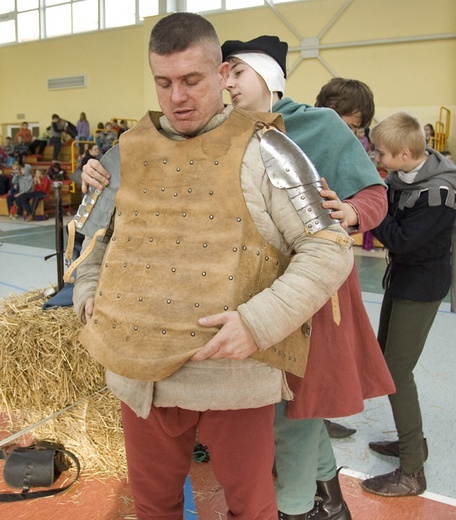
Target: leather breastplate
(184, 246)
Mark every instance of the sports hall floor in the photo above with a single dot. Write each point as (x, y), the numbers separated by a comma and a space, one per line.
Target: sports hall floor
(23, 247)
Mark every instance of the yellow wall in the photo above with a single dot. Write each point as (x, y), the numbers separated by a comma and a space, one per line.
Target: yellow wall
(418, 76)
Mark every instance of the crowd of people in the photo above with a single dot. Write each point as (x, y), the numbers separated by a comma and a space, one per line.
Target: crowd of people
(208, 337)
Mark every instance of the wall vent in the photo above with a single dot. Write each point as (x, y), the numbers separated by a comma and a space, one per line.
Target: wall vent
(67, 82)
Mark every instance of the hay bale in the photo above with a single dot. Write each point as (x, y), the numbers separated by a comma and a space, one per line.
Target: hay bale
(43, 369)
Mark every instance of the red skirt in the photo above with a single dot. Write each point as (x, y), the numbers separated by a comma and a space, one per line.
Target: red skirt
(345, 364)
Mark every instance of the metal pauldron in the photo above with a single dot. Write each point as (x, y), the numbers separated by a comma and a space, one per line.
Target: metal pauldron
(289, 168)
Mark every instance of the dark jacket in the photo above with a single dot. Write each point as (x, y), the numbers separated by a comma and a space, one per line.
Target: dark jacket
(417, 231)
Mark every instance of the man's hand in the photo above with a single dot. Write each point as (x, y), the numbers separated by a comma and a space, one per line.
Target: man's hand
(94, 174)
(339, 210)
(232, 341)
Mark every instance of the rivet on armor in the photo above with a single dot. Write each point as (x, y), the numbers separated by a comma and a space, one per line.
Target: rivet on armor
(287, 169)
(157, 213)
(168, 301)
(189, 190)
(216, 163)
(178, 241)
(175, 194)
(192, 334)
(266, 258)
(317, 222)
(238, 219)
(100, 293)
(203, 273)
(192, 162)
(235, 249)
(113, 325)
(197, 304)
(125, 264)
(118, 295)
(231, 277)
(258, 253)
(163, 189)
(173, 269)
(151, 239)
(136, 213)
(211, 217)
(225, 308)
(120, 213)
(95, 321)
(140, 298)
(204, 245)
(178, 169)
(244, 248)
(113, 238)
(135, 327)
(145, 163)
(144, 190)
(184, 214)
(147, 266)
(250, 295)
(164, 161)
(163, 331)
(277, 262)
(106, 264)
(129, 239)
(211, 192)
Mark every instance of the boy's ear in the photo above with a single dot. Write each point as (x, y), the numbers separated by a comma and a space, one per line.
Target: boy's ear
(405, 154)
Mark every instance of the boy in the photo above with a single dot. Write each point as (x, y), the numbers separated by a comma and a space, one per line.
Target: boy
(351, 99)
(417, 232)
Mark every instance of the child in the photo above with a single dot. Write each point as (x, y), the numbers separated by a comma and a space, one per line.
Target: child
(305, 462)
(14, 188)
(25, 190)
(417, 232)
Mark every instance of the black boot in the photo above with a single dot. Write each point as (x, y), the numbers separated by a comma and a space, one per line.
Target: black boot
(284, 516)
(332, 505)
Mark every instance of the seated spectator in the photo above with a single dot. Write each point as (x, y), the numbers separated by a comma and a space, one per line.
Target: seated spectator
(115, 126)
(9, 147)
(25, 133)
(25, 182)
(123, 127)
(20, 150)
(55, 172)
(430, 135)
(4, 182)
(4, 157)
(14, 189)
(41, 189)
(105, 139)
(92, 152)
(40, 142)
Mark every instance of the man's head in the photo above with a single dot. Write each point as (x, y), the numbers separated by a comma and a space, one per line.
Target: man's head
(24, 125)
(352, 99)
(186, 62)
(257, 71)
(55, 117)
(399, 142)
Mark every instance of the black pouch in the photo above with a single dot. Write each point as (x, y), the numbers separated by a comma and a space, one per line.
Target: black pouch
(38, 465)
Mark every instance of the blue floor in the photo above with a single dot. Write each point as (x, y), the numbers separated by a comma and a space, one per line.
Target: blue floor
(23, 247)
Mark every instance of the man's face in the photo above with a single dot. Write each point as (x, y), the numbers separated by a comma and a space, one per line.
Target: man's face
(189, 87)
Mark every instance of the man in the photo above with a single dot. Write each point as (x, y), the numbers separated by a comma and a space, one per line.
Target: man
(194, 289)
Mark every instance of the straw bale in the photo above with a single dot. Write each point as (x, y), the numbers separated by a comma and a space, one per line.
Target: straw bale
(43, 369)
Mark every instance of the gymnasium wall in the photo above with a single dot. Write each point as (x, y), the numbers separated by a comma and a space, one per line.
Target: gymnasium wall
(419, 76)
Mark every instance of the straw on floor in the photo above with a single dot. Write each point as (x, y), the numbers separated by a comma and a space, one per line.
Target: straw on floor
(43, 369)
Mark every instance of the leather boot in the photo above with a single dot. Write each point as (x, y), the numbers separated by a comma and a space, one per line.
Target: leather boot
(284, 516)
(332, 505)
(337, 431)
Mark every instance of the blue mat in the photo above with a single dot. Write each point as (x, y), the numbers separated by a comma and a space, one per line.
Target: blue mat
(189, 504)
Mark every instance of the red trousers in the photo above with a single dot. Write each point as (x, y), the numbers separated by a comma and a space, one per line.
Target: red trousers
(159, 453)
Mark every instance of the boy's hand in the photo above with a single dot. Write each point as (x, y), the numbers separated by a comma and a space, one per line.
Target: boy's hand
(94, 174)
